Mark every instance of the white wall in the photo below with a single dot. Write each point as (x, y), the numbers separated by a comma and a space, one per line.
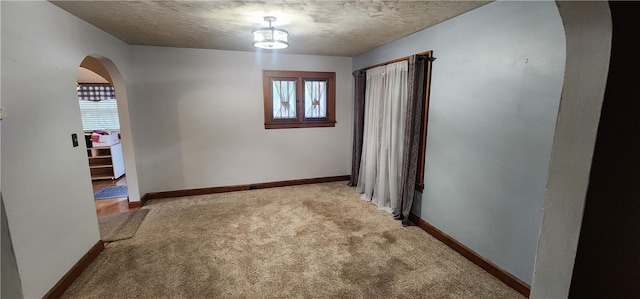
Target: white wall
(495, 93)
(46, 184)
(199, 118)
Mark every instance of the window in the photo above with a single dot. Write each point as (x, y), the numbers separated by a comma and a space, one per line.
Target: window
(99, 115)
(295, 99)
(98, 106)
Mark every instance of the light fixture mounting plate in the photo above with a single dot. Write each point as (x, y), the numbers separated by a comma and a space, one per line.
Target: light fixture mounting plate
(270, 19)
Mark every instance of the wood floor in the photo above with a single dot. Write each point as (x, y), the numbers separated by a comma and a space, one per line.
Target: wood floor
(112, 205)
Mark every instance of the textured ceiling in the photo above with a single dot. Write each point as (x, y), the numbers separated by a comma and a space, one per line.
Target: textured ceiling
(335, 28)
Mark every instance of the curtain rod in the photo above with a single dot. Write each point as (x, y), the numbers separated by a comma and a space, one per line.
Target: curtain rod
(428, 53)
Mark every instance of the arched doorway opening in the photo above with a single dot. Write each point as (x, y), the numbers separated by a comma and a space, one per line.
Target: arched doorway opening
(588, 30)
(106, 69)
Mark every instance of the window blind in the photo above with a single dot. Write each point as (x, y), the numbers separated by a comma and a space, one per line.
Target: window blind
(101, 115)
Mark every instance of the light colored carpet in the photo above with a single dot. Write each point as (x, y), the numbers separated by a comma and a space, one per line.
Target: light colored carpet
(311, 241)
(120, 226)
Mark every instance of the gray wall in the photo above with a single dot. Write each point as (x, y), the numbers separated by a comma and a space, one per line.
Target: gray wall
(495, 93)
(588, 35)
(10, 283)
(200, 120)
(46, 182)
(607, 265)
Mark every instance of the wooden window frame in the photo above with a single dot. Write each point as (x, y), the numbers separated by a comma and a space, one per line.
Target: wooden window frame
(300, 121)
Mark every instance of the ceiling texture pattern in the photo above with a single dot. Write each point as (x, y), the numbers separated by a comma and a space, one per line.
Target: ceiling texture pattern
(332, 28)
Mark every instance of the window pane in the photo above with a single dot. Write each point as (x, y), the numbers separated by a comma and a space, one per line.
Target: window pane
(100, 115)
(315, 99)
(284, 99)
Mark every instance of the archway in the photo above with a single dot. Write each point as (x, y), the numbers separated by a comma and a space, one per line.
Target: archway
(588, 34)
(104, 67)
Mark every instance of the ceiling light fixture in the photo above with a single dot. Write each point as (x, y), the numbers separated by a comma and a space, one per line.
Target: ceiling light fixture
(270, 38)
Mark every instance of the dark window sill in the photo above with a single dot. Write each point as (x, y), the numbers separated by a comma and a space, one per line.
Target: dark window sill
(288, 125)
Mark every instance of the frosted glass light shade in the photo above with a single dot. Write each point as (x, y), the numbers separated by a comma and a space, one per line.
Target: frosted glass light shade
(270, 38)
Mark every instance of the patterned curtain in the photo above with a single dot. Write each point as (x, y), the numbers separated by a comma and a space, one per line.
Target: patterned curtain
(358, 125)
(412, 129)
(96, 92)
